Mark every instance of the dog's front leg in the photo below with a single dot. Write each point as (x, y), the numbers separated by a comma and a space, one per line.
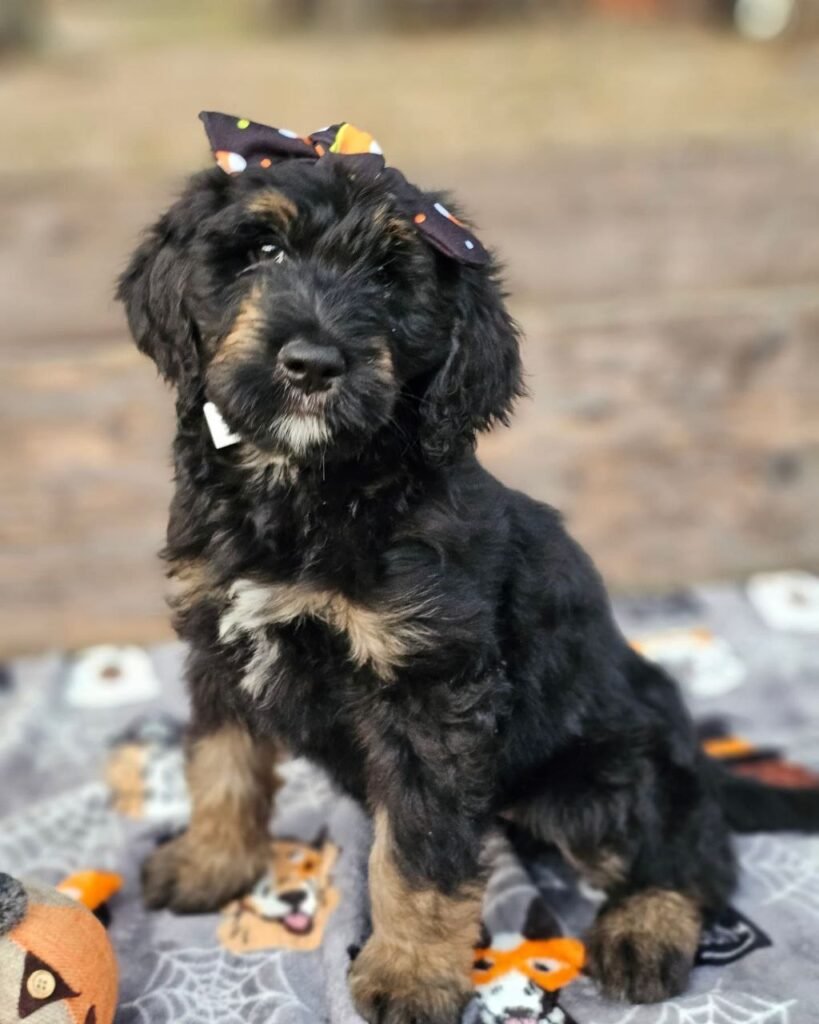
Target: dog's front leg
(416, 965)
(432, 757)
(226, 847)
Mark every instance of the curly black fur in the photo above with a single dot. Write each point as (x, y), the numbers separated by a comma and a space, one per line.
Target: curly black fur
(512, 691)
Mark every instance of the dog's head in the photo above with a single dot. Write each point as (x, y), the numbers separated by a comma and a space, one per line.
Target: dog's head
(301, 299)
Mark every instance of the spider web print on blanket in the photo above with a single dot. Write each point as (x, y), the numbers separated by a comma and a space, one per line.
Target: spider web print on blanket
(787, 869)
(200, 986)
(719, 1008)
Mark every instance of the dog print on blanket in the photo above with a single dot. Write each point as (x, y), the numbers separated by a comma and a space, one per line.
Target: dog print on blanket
(145, 771)
(288, 907)
(518, 975)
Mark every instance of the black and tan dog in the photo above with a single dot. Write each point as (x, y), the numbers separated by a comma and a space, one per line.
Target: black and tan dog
(354, 586)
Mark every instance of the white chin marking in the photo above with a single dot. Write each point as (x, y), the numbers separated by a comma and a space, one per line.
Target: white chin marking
(301, 433)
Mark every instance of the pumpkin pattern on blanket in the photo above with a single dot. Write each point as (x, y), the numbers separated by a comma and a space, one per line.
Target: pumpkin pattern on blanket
(518, 975)
(289, 906)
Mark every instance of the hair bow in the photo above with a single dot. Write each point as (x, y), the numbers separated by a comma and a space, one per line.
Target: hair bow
(238, 143)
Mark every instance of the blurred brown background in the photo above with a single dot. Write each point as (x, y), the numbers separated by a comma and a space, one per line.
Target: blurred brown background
(648, 168)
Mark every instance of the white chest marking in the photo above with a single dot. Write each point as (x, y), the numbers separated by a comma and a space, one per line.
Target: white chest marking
(383, 638)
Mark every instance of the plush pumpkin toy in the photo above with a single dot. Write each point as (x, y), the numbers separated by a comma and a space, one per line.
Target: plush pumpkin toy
(56, 962)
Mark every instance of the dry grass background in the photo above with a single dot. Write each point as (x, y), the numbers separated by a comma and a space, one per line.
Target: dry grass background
(113, 93)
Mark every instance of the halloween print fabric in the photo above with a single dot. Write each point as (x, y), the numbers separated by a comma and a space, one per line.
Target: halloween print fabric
(91, 755)
(238, 144)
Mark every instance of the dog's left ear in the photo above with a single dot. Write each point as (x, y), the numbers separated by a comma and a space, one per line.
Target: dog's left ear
(481, 378)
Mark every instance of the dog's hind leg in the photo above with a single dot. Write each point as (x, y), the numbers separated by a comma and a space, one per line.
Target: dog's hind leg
(660, 850)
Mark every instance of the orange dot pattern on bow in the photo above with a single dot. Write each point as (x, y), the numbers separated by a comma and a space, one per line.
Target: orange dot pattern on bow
(351, 140)
(239, 143)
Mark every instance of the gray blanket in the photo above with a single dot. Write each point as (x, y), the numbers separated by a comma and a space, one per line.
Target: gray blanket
(91, 770)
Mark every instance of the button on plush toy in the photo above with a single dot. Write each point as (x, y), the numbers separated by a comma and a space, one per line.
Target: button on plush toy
(56, 963)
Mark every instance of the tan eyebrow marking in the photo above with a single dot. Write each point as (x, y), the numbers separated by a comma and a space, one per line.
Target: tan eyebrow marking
(274, 205)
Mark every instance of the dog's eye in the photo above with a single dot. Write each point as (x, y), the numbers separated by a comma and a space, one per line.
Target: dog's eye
(267, 252)
(271, 251)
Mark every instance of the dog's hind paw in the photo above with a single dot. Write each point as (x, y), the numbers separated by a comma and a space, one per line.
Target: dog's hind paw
(642, 948)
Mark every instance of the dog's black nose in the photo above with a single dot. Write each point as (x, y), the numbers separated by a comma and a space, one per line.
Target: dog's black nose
(293, 896)
(309, 366)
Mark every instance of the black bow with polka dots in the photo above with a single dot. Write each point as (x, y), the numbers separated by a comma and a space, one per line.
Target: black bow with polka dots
(239, 144)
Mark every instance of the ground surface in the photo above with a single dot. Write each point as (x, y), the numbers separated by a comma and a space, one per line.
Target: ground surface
(91, 756)
(655, 193)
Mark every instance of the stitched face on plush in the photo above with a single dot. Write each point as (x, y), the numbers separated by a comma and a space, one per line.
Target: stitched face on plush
(304, 304)
(289, 906)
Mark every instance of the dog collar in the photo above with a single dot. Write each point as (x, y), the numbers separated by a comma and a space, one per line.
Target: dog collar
(221, 434)
(239, 144)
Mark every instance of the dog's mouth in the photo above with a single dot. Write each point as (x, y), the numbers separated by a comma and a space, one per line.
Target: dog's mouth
(278, 418)
(297, 922)
(314, 403)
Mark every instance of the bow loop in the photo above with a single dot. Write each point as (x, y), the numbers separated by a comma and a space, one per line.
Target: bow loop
(238, 143)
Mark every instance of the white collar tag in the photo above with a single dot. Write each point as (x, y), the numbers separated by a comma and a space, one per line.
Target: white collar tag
(219, 430)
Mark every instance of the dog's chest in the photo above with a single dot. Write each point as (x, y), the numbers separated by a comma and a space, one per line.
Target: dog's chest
(282, 624)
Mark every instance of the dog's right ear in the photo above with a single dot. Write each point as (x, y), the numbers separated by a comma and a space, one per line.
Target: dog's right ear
(153, 290)
(155, 287)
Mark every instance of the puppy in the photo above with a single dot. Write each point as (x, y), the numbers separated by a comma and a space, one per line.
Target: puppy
(353, 585)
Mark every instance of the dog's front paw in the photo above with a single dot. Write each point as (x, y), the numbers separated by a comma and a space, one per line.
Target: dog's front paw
(642, 949)
(190, 876)
(388, 987)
